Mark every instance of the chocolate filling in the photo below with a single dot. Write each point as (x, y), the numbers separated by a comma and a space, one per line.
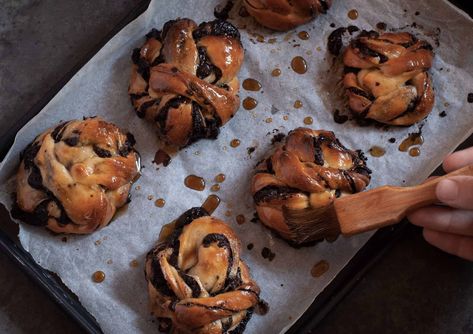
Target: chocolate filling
(269, 193)
(324, 5)
(242, 325)
(58, 131)
(157, 277)
(191, 283)
(361, 92)
(154, 33)
(162, 116)
(318, 153)
(216, 28)
(335, 42)
(205, 67)
(101, 152)
(143, 66)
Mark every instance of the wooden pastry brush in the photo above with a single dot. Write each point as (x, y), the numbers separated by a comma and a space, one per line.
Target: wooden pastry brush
(363, 211)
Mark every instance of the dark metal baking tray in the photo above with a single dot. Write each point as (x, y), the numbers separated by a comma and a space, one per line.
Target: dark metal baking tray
(363, 260)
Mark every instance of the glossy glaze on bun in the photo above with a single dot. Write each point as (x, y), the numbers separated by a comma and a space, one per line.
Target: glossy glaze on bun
(197, 281)
(284, 15)
(184, 79)
(386, 77)
(308, 168)
(73, 178)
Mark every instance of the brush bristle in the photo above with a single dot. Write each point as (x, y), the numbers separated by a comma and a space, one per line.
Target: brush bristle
(312, 224)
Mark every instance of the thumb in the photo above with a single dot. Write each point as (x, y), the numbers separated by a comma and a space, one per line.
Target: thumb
(456, 191)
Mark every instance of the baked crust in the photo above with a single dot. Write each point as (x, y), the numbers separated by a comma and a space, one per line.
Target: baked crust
(197, 279)
(184, 79)
(284, 15)
(386, 77)
(73, 178)
(309, 168)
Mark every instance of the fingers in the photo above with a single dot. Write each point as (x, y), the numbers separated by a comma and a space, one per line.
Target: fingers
(443, 219)
(456, 191)
(461, 246)
(458, 160)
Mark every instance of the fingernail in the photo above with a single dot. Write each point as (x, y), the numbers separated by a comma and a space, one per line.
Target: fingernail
(447, 191)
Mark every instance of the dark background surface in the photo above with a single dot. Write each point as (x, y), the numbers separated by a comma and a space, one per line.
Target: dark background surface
(414, 288)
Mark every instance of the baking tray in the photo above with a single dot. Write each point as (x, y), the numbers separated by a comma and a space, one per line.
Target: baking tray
(348, 277)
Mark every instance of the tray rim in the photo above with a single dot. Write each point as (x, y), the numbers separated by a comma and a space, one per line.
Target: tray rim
(366, 257)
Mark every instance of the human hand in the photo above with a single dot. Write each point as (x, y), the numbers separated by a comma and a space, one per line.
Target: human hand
(450, 228)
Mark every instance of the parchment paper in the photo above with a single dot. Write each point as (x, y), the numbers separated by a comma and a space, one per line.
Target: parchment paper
(100, 88)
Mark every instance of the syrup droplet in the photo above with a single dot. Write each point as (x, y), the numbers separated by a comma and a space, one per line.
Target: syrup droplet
(381, 25)
(160, 202)
(377, 151)
(262, 307)
(211, 203)
(304, 35)
(194, 182)
(299, 65)
(235, 143)
(268, 120)
(353, 14)
(240, 219)
(285, 117)
(98, 276)
(249, 103)
(276, 72)
(161, 157)
(134, 264)
(298, 104)
(319, 269)
(414, 152)
(272, 40)
(411, 140)
(308, 120)
(215, 187)
(228, 213)
(220, 178)
(251, 85)
(150, 197)
(259, 38)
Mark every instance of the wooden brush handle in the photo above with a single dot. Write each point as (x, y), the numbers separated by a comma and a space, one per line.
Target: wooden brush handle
(387, 205)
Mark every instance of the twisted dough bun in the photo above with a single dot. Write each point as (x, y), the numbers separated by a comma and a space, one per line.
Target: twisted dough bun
(308, 169)
(184, 79)
(386, 77)
(73, 178)
(197, 279)
(285, 14)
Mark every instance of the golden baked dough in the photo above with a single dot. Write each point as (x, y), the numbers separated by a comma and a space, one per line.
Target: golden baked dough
(197, 279)
(386, 77)
(184, 79)
(308, 168)
(73, 178)
(285, 14)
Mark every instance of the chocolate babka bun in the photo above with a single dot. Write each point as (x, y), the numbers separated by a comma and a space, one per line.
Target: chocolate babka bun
(73, 178)
(285, 14)
(386, 77)
(308, 168)
(197, 281)
(184, 79)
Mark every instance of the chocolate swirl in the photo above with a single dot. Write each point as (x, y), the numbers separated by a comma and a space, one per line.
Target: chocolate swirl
(197, 279)
(184, 79)
(307, 169)
(73, 178)
(285, 14)
(386, 77)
